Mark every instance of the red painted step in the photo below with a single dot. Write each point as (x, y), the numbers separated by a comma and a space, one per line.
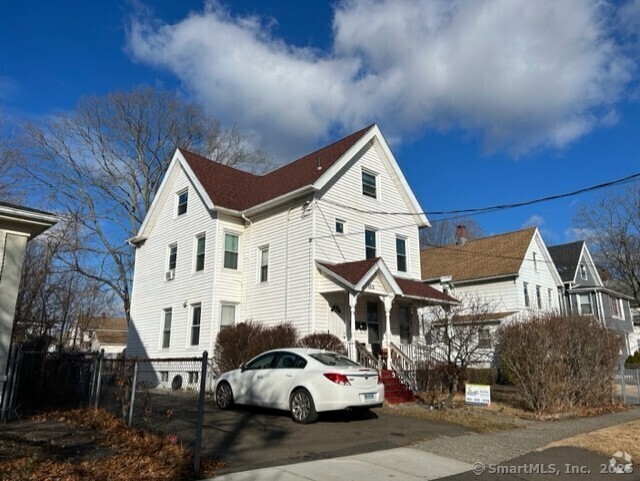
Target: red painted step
(394, 391)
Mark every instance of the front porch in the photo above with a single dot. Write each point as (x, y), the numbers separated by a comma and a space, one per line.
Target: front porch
(376, 313)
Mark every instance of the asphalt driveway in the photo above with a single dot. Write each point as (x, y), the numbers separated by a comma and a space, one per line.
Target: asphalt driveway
(250, 438)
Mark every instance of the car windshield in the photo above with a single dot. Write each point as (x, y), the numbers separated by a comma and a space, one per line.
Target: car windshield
(333, 359)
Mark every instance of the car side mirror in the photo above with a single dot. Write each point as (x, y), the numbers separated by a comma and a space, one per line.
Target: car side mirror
(243, 367)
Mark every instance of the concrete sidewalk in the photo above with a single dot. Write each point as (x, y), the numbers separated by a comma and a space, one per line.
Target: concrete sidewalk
(400, 463)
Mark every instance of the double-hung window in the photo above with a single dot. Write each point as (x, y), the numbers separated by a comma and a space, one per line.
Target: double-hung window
(484, 338)
(614, 305)
(196, 318)
(227, 315)
(182, 201)
(369, 184)
(264, 264)
(401, 254)
(585, 304)
(231, 251)
(172, 260)
(539, 296)
(527, 303)
(201, 242)
(166, 328)
(370, 243)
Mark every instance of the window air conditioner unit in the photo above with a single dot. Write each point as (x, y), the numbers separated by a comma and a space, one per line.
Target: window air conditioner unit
(170, 275)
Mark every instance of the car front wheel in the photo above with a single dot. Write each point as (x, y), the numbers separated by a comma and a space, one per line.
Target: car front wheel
(303, 410)
(224, 396)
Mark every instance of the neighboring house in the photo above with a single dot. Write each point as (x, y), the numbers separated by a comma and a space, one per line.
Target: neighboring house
(103, 332)
(634, 339)
(308, 243)
(512, 273)
(17, 226)
(585, 293)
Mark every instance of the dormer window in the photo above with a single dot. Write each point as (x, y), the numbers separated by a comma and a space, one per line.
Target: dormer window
(369, 184)
(183, 198)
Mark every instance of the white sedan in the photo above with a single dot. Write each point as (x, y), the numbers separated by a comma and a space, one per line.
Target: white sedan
(303, 381)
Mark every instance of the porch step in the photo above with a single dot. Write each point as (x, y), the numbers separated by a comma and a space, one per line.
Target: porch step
(394, 391)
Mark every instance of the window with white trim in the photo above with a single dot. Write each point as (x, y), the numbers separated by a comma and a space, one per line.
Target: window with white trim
(484, 338)
(164, 376)
(527, 303)
(227, 315)
(201, 243)
(340, 226)
(401, 254)
(550, 297)
(539, 296)
(182, 199)
(614, 305)
(535, 262)
(194, 377)
(585, 304)
(370, 243)
(369, 184)
(263, 275)
(166, 328)
(583, 272)
(196, 319)
(172, 260)
(231, 251)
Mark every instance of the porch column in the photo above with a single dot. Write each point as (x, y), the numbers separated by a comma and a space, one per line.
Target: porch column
(387, 301)
(353, 299)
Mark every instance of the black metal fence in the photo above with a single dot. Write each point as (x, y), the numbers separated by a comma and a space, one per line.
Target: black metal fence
(164, 396)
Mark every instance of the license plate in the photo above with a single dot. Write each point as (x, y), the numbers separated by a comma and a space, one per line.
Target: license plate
(369, 396)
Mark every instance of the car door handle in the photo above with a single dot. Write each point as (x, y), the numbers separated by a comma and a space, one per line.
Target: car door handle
(259, 377)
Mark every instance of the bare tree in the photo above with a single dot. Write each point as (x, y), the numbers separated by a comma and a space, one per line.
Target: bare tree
(51, 297)
(9, 154)
(458, 337)
(443, 232)
(104, 161)
(611, 226)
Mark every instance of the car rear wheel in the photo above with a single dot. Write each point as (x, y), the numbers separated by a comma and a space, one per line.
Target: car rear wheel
(303, 410)
(224, 396)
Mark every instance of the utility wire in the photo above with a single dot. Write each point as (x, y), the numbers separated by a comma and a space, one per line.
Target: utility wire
(482, 210)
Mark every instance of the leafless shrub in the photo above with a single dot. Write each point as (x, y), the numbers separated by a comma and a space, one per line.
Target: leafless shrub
(559, 363)
(241, 342)
(323, 340)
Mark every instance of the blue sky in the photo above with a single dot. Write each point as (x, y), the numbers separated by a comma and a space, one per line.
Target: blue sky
(483, 102)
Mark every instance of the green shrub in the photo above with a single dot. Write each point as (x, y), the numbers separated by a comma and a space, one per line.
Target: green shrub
(633, 359)
(323, 340)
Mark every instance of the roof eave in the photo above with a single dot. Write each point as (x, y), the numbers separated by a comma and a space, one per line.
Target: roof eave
(275, 202)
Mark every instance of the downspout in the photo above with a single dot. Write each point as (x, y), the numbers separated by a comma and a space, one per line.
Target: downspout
(214, 305)
(248, 269)
(312, 273)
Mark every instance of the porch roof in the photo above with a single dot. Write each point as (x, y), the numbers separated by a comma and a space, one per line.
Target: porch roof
(355, 275)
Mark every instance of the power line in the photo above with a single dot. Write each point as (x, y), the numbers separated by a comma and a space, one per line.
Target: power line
(483, 210)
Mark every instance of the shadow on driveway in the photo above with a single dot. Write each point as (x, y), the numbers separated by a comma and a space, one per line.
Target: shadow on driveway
(251, 438)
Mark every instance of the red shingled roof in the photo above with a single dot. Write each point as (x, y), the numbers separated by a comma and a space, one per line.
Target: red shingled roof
(353, 272)
(235, 189)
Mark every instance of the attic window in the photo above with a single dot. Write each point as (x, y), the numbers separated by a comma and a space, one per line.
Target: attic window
(183, 198)
(369, 184)
(583, 272)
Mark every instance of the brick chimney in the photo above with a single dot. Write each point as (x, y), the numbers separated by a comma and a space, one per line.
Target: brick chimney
(461, 234)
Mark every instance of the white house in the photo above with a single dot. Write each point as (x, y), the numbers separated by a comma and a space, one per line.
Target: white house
(513, 273)
(308, 243)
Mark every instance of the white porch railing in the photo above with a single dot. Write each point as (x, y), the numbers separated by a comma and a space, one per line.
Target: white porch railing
(403, 366)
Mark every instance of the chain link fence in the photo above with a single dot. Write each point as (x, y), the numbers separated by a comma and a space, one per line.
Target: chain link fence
(164, 396)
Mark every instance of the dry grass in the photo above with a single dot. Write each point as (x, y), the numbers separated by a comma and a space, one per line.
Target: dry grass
(623, 437)
(496, 417)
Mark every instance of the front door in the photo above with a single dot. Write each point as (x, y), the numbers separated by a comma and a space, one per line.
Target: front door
(405, 324)
(373, 327)
(337, 325)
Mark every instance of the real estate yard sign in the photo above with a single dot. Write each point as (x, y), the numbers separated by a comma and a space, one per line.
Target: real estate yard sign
(477, 394)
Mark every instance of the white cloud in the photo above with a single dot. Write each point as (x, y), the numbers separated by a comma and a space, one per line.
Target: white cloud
(573, 234)
(535, 220)
(520, 74)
